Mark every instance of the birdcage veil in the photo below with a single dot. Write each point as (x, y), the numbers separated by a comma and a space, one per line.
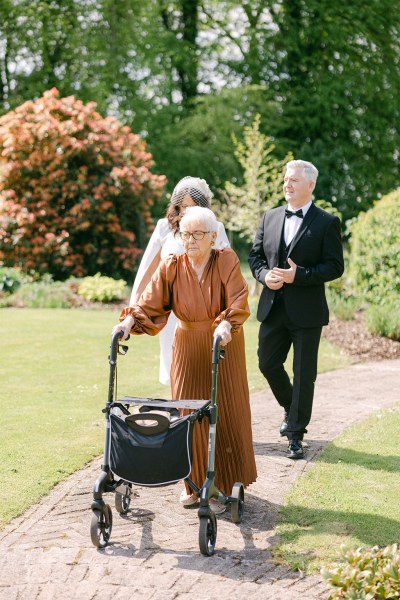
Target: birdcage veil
(194, 187)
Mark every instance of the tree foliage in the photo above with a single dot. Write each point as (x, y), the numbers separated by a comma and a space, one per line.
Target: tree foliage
(200, 143)
(262, 182)
(339, 68)
(331, 70)
(75, 189)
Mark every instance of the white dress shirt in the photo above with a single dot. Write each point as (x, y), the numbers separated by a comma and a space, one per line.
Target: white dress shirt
(292, 225)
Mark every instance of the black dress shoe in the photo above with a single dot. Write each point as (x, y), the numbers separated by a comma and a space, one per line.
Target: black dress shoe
(295, 449)
(283, 426)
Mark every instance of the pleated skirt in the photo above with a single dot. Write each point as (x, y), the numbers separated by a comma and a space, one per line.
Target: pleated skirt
(191, 380)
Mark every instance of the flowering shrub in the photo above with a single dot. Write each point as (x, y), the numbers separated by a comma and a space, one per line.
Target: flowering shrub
(75, 189)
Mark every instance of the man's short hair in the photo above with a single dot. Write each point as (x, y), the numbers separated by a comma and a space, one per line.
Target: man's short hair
(310, 171)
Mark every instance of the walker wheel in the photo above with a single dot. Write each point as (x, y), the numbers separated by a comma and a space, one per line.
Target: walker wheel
(237, 505)
(207, 535)
(123, 501)
(101, 526)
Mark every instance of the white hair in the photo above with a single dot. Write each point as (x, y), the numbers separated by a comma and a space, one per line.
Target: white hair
(310, 171)
(199, 214)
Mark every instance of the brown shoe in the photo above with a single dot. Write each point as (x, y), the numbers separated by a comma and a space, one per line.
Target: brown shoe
(187, 499)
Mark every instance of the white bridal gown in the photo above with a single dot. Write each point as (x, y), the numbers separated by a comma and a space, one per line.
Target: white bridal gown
(162, 243)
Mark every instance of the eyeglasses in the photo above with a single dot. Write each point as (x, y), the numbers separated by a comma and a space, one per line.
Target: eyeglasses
(196, 235)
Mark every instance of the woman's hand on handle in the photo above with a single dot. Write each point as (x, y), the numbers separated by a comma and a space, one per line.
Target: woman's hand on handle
(125, 326)
(224, 331)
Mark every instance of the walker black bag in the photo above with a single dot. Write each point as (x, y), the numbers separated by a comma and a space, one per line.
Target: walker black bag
(151, 459)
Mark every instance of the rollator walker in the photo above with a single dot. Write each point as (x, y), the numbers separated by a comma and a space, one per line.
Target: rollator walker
(149, 443)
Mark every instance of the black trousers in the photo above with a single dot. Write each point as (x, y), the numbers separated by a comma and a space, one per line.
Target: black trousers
(277, 334)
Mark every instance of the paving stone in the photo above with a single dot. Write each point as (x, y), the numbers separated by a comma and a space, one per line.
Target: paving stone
(47, 553)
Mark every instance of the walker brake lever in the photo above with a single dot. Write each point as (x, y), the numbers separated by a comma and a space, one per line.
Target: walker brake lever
(122, 349)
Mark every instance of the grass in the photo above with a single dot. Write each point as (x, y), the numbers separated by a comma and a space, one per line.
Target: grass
(349, 497)
(54, 373)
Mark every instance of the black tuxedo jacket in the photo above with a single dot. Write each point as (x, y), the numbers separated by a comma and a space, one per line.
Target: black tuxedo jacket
(317, 251)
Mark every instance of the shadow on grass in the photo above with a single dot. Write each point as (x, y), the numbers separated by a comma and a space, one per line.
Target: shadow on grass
(299, 522)
(375, 462)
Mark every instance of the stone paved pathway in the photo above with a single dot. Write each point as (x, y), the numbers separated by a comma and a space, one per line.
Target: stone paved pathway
(47, 552)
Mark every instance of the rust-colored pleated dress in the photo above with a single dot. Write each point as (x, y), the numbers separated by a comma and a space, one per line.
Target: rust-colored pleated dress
(200, 306)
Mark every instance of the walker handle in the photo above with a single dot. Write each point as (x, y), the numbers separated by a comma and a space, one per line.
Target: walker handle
(216, 352)
(114, 346)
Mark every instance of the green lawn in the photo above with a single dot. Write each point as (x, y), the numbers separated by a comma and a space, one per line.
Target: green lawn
(349, 497)
(54, 374)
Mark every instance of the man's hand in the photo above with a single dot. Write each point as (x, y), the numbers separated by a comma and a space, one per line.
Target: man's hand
(286, 275)
(273, 280)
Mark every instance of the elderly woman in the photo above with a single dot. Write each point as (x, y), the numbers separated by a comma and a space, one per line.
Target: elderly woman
(206, 290)
(165, 240)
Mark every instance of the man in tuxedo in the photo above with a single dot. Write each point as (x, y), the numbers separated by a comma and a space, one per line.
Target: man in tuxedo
(297, 249)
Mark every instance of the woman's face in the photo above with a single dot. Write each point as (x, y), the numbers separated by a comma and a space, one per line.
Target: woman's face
(197, 248)
(186, 202)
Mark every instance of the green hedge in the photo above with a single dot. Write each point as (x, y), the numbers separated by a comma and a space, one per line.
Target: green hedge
(375, 251)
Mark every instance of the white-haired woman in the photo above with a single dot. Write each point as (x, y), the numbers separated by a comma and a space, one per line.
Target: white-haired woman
(207, 292)
(165, 240)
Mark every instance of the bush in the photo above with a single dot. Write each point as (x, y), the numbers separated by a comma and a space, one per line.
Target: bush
(344, 308)
(341, 299)
(102, 289)
(10, 280)
(75, 189)
(368, 574)
(384, 320)
(375, 251)
(44, 294)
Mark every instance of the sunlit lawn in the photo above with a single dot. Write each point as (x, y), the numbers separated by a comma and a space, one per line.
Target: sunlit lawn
(54, 377)
(350, 497)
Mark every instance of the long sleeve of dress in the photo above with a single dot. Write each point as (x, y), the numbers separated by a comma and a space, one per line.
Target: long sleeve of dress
(152, 310)
(235, 291)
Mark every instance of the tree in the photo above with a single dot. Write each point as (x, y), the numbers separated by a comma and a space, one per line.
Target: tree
(200, 143)
(338, 73)
(262, 182)
(75, 189)
(331, 68)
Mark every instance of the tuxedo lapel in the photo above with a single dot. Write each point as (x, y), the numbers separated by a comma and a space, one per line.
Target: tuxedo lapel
(272, 237)
(277, 228)
(310, 216)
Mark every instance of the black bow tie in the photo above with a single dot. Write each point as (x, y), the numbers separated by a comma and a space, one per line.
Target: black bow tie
(298, 213)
